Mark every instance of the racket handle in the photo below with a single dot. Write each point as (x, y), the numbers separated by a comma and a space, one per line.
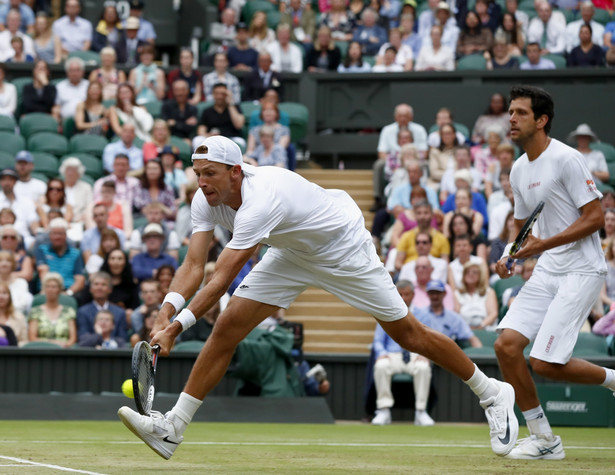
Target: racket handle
(509, 263)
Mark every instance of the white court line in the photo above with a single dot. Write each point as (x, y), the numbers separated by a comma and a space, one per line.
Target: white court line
(46, 465)
(292, 444)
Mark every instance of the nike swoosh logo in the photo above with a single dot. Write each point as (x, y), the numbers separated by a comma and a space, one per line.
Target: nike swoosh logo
(506, 439)
(166, 439)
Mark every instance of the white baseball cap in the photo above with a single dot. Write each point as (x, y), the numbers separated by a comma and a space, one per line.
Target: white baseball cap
(220, 149)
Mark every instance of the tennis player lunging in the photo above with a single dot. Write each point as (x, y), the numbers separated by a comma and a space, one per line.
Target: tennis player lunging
(555, 302)
(318, 238)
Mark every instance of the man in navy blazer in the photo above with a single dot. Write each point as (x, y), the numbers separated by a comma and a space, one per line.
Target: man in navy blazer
(100, 288)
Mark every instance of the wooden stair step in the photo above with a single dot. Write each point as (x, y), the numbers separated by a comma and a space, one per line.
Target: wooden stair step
(323, 309)
(338, 323)
(348, 336)
(345, 348)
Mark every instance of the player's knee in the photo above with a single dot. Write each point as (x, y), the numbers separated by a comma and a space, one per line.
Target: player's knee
(507, 348)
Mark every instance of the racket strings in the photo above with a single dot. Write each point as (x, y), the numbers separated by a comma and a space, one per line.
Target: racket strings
(145, 378)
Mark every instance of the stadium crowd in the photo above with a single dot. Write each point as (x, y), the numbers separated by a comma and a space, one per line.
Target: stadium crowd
(87, 251)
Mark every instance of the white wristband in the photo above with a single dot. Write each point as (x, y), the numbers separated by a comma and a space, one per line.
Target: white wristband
(506, 250)
(176, 299)
(186, 318)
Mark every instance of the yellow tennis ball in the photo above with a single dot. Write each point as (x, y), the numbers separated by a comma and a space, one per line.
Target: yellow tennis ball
(127, 389)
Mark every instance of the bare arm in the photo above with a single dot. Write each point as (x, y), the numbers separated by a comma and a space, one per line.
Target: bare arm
(475, 342)
(492, 308)
(114, 120)
(602, 176)
(161, 84)
(237, 117)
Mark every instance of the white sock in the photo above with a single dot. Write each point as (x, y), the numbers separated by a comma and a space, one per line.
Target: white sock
(609, 381)
(481, 385)
(537, 421)
(184, 409)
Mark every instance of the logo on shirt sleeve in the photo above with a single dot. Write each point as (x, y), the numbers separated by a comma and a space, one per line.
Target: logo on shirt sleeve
(591, 186)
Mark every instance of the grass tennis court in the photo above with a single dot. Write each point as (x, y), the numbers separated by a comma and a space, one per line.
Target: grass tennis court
(107, 447)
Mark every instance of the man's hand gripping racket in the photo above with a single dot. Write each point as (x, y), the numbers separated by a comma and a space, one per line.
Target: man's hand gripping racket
(523, 234)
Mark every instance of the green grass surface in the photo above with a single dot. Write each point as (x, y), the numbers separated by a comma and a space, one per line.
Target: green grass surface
(107, 447)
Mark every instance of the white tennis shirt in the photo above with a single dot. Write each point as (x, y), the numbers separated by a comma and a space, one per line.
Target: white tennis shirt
(560, 178)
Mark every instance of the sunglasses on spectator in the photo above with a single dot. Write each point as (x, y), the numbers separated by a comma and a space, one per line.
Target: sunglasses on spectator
(9, 236)
(422, 242)
(54, 188)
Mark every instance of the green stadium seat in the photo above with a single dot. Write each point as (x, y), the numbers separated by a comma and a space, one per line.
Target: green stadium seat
(91, 58)
(569, 15)
(40, 176)
(247, 107)
(19, 83)
(487, 338)
(201, 106)
(7, 124)
(471, 62)
(139, 221)
(137, 143)
(602, 187)
(501, 285)
(343, 46)
(611, 166)
(7, 160)
(46, 164)
(88, 179)
(253, 6)
(299, 117)
(558, 60)
(371, 60)
(190, 345)
(12, 143)
(93, 165)
(154, 108)
(602, 16)
(589, 344)
(68, 127)
(41, 345)
(49, 142)
(92, 144)
(484, 351)
(67, 300)
(273, 19)
(185, 150)
(606, 148)
(183, 250)
(35, 122)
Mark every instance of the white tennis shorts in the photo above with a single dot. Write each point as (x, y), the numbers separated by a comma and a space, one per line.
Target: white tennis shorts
(360, 280)
(551, 309)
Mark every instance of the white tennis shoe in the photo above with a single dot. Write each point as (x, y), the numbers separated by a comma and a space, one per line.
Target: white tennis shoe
(421, 418)
(503, 424)
(156, 430)
(382, 417)
(539, 447)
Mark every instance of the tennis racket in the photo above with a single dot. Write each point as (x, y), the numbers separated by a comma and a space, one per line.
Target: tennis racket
(144, 360)
(523, 234)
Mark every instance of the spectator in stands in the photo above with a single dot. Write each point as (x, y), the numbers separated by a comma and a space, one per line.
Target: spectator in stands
(324, 54)
(439, 266)
(463, 161)
(573, 28)
(463, 200)
(108, 76)
(100, 289)
(53, 321)
(498, 212)
(427, 18)
(180, 115)
(488, 16)
(11, 317)
(40, 95)
(450, 30)
(475, 301)
(473, 38)
(505, 154)
(27, 15)
(340, 21)
(72, 90)
(393, 359)
(286, 57)
(388, 64)
(91, 116)
(511, 31)
(223, 33)
(161, 137)
(499, 57)
(405, 220)
(395, 172)
(547, 31)
(13, 21)
(125, 292)
(92, 238)
(127, 112)
(462, 250)
(164, 276)
(129, 46)
(8, 94)
(54, 198)
(120, 210)
(125, 186)
(443, 116)
(125, 146)
(11, 241)
(441, 157)
(370, 35)
(301, 20)
(435, 56)
(353, 63)
(496, 114)
(499, 243)
(220, 75)
(461, 225)
(147, 78)
(608, 231)
(187, 73)
(27, 187)
(154, 213)
(108, 240)
(488, 155)
(535, 60)
(267, 152)
(463, 179)
(399, 196)
(404, 56)
(150, 298)
(183, 221)
(262, 79)
(609, 37)
(47, 45)
(224, 117)
(435, 306)
(153, 188)
(270, 116)
(109, 29)
(23, 209)
(582, 137)
(18, 286)
(242, 56)
(18, 53)
(522, 18)
(409, 37)
(174, 175)
(607, 294)
(60, 256)
(146, 28)
(75, 32)
(587, 54)
(102, 337)
(260, 34)
(146, 264)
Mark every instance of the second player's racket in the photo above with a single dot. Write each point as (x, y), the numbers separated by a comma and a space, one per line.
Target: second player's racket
(523, 234)
(144, 360)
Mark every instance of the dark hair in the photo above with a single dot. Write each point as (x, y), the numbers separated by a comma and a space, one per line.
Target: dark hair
(504, 171)
(474, 30)
(542, 102)
(127, 281)
(168, 267)
(504, 235)
(348, 60)
(455, 143)
(468, 222)
(588, 26)
(423, 233)
(160, 182)
(513, 33)
(104, 234)
(119, 104)
(391, 48)
(219, 84)
(463, 237)
(63, 198)
(533, 43)
(505, 106)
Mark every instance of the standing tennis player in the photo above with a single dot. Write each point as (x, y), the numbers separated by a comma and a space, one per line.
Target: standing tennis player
(555, 302)
(318, 238)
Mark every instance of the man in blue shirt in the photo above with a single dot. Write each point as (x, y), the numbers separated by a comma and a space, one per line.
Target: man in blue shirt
(124, 146)
(146, 264)
(59, 256)
(370, 35)
(91, 238)
(146, 28)
(27, 15)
